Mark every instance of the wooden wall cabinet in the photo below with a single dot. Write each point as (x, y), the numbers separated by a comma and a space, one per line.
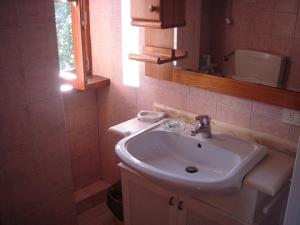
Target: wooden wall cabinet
(158, 13)
(149, 204)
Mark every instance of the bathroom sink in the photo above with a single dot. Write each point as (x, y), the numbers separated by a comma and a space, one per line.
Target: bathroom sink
(190, 164)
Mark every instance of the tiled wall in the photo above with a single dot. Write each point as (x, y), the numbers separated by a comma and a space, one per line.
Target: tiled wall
(118, 103)
(264, 25)
(81, 116)
(35, 178)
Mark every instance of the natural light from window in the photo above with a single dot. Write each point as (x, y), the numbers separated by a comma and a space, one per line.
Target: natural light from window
(66, 87)
(63, 20)
(130, 44)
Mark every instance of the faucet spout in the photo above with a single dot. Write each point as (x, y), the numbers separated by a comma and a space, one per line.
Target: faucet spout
(202, 125)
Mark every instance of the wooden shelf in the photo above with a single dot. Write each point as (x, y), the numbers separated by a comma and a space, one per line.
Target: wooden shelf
(154, 24)
(158, 55)
(94, 81)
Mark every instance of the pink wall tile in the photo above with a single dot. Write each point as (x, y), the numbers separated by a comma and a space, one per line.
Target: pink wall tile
(42, 81)
(12, 85)
(146, 95)
(35, 160)
(47, 115)
(284, 25)
(104, 8)
(80, 110)
(263, 109)
(266, 5)
(267, 125)
(15, 127)
(243, 19)
(264, 22)
(233, 115)
(83, 141)
(288, 6)
(36, 44)
(174, 95)
(240, 104)
(42, 11)
(85, 170)
(281, 45)
(105, 28)
(263, 117)
(294, 76)
(296, 48)
(202, 102)
(16, 156)
(294, 133)
(261, 42)
(8, 18)
(12, 57)
(116, 6)
(298, 27)
(244, 4)
(81, 115)
(201, 106)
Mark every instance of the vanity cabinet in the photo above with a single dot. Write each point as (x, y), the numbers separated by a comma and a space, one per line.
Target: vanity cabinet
(158, 13)
(195, 212)
(149, 204)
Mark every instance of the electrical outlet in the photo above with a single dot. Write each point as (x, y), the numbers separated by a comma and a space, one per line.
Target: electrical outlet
(291, 117)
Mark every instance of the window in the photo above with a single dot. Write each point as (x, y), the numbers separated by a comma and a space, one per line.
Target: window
(74, 45)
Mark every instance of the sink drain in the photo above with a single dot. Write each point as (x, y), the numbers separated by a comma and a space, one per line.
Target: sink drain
(191, 169)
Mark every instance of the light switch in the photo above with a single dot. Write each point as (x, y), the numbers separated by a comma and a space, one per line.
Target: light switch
(291, 117)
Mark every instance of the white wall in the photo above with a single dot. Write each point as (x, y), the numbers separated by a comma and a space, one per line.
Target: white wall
(292, 216)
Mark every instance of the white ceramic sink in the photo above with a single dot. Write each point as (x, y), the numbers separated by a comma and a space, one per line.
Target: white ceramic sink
(217, 164)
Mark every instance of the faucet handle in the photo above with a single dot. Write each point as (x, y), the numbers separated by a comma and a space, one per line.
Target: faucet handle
(203, 119)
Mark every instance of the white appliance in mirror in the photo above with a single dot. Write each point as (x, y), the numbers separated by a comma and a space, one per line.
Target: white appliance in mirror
(259, 67)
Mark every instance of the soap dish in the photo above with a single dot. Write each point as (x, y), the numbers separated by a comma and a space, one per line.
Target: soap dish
(150, 116)
(174, 125)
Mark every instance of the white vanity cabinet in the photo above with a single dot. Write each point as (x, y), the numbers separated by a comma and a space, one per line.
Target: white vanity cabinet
(149, 204)
(195, 212)
(145, 203)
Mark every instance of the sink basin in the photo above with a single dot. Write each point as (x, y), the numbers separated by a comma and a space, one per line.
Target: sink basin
(190, 164)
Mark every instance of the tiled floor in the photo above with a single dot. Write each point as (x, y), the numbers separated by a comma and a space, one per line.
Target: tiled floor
(99, 215)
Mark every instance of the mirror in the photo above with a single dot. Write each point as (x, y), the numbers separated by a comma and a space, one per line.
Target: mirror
(247, 40)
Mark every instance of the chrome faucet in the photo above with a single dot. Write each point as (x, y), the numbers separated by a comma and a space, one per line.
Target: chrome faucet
(202, 125)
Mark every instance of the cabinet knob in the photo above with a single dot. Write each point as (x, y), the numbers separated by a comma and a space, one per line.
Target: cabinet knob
(180, 205)
(153, 8)
(171, 201)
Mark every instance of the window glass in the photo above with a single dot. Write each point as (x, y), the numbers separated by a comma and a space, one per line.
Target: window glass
(64, 32)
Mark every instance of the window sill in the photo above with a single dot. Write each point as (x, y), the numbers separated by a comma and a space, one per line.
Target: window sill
(94, 81)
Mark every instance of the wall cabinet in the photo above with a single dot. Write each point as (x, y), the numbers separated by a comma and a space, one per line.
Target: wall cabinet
(158, 13)
(149, 204)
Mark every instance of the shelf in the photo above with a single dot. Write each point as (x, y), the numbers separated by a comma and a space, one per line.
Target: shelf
(94, 81)
(158, 55)
(145, 23)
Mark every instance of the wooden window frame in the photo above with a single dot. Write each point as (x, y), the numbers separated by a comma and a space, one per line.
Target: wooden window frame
(82, 47)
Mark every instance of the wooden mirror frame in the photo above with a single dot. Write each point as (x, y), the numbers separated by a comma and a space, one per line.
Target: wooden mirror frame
(256, 92)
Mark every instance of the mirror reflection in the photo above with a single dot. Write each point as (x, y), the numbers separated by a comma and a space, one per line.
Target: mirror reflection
(248, 40)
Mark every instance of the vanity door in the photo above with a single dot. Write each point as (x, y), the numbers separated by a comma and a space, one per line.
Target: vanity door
(194, 212)
(147, 204)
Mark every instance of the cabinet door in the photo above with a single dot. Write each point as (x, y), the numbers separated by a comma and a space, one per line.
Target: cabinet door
(194, 212)
(145, 10)
(146, 204)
